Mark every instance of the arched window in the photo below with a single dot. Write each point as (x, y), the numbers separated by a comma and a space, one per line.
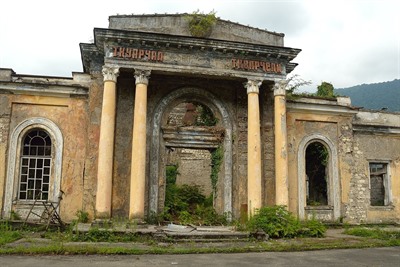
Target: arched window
(318, 181)
(35, 166)
(317, 159)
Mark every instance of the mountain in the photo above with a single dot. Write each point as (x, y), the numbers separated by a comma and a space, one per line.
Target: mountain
(375, 96)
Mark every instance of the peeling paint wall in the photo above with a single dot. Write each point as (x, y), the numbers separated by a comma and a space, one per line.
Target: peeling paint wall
(61, 111)
(335, 128)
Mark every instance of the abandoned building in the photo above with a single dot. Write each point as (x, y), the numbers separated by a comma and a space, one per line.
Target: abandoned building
(105, 136)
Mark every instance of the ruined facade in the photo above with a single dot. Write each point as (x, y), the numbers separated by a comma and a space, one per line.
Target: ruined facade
(105, 136)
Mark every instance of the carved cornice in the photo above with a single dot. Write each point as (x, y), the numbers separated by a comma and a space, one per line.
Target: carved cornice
(280, 88)
(142, 76)
(252, 86)
(110, 73)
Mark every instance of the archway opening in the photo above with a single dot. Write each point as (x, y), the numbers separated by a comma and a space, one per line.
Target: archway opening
(317, 158)
(193, 160)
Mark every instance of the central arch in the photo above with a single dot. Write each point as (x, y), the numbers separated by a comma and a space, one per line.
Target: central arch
(188, 94)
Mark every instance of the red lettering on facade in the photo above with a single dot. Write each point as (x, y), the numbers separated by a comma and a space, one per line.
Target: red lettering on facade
(140, 53)
(121, 51)
(278, 68)
(128, 52)
(160, 56)
(133, 53)
(255, 65)
(153, 56)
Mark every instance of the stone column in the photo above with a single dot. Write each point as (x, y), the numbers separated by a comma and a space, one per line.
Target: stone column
(138, 164)
(106, 144)
(254, 193)
(281, 157)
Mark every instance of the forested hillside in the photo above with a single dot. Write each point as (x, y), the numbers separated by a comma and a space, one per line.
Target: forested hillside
(374, 96)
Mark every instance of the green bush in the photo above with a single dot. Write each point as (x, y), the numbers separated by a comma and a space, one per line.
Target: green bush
(312, 228)
(200, 24)
(278, 222)
(187, 204)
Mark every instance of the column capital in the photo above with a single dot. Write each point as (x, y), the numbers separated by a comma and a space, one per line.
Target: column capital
(252, 86)
(142, 76)
(280, 87)
(110, 73)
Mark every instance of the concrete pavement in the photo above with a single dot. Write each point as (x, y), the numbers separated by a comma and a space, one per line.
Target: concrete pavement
(346, 257)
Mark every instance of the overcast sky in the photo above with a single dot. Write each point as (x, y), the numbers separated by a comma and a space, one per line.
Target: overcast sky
(345, 43)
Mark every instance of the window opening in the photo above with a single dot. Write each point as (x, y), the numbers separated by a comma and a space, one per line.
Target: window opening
(316, 174)
(378, 184)
(35, 166)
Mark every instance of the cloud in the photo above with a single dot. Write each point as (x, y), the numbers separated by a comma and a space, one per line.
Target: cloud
(343, 42)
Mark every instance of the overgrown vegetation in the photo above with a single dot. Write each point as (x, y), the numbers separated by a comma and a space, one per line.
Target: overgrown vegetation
(200, 24)
(278, 222)
(62, 242)
(325, 89)
(217, 156)
(392, 236)
(82, 216)
(186, 204)
(8, 234)
(294, 82)
(102, 235)
(206, 117)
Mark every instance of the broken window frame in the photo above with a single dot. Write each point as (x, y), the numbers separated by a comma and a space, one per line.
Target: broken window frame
(386, 177)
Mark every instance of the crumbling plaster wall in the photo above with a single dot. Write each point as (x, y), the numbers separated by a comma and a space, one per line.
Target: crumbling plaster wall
(64, 112)
(92, 134)
(337, 128)
(370, 147)
(4, 133)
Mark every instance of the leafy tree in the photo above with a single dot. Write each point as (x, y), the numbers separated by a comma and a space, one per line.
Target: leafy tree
(325, 90)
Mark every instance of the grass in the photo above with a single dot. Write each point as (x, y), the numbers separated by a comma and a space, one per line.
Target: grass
(99, 241)
(8, 234)
(391, 237)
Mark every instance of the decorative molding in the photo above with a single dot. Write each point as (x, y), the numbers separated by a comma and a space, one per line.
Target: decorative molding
(252, 86)
(320, 108)
(43, 89)
(333, 183)
(13, 159)
(142, 76)
(110, 73)
(376, 129)
(280, 87)
(196, 137)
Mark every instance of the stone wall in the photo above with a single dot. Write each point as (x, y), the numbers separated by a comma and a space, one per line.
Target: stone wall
(374, 147)
(194, 167)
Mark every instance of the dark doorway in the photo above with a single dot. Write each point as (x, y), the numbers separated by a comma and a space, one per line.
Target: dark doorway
(316, 174)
